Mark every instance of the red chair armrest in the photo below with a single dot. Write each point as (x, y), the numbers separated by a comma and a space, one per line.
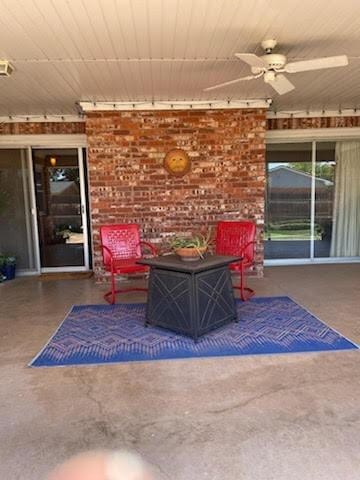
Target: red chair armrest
(246, 246)
(108, 251)
(151, 247)
(103, 247)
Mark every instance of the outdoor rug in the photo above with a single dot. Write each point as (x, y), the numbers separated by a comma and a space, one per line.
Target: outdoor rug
(98, 334)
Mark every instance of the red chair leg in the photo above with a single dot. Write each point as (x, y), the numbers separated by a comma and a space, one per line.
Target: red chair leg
(112, 288)
(242, 281)
(110, 296)
(245, 292)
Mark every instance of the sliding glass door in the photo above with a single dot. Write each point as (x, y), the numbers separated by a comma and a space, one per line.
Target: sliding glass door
(43, 209)
(312, 206)
(17, 233)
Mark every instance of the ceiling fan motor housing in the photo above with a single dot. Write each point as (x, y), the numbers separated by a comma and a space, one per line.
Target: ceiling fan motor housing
(274, 61)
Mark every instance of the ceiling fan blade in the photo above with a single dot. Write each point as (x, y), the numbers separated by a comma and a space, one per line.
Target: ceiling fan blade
(251, 59)
(230, 82)
(317, 64)
(281, 84)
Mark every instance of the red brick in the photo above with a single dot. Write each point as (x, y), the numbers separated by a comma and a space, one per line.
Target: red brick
(39, 128)
(312, 122)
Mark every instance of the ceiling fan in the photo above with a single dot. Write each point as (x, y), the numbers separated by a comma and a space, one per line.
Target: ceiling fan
(271, 66)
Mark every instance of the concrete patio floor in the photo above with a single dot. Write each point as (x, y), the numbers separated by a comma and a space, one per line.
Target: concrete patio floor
(241, 418)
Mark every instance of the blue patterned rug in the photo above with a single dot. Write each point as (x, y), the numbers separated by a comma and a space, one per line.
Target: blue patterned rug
(93, 334)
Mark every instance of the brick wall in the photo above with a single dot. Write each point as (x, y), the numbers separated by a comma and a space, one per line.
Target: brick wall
(312, 122)
(129, 184)
(40, 128)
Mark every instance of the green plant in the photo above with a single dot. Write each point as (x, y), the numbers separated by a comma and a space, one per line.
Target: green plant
(300, 225)
(7, 260)
(198, 242)
(294, 225)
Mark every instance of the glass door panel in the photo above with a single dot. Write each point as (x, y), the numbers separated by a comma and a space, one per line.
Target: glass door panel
(16, 230)
(62, 236)
(324, 197)
(288, 201)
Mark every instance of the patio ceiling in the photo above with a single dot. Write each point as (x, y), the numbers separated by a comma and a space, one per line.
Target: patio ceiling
(137, 50)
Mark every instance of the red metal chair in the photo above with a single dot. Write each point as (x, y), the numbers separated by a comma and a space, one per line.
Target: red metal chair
(237, 238)
(121, 248)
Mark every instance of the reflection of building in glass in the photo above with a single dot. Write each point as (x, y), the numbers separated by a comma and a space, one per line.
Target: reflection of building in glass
(287, 177)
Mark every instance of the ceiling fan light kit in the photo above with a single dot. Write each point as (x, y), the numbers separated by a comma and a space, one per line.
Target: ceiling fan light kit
(271, 66)
(6, 69)
(269, 76)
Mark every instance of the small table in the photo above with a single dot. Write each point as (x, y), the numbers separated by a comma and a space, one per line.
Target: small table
(191, 298)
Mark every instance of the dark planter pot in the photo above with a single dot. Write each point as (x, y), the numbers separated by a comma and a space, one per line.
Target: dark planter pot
(8, 271)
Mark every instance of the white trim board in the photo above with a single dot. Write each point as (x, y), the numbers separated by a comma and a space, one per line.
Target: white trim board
(41, 118)
(64, 269)
(290, 262)
(77, 140)
(175, 105)
(311, 134)
(348, 112)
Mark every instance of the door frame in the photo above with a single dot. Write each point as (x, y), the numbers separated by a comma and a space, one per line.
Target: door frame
(29, 142)
(83, 210)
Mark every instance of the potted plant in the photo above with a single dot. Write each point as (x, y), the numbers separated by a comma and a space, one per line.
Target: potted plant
(8, 266)
(190, 248)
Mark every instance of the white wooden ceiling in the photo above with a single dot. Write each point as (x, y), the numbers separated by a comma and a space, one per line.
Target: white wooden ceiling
(65, 51)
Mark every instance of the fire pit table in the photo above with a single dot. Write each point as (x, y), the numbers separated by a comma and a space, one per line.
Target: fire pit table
(191, 298)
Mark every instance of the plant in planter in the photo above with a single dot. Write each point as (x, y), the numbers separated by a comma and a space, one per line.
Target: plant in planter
(190, 248)
(7, 266)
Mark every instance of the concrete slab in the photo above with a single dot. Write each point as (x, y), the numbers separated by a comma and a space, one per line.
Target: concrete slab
(242, 418)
